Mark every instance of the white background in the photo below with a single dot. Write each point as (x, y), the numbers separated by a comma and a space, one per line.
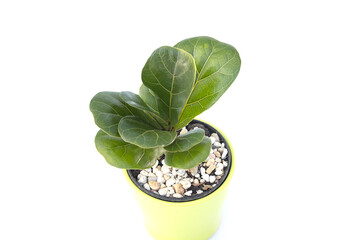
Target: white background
(292, 114)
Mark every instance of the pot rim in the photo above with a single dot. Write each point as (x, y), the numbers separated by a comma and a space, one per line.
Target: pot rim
(196, 201)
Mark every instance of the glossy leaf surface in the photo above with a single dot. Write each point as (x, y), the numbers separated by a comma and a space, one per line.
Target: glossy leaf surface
(149, 97)
(170, 73)
(134, 101)
(190, 158)
(186, 141)
(142, 110)
(121, 154)
(137, 132)
(108, 109)
(217, 66)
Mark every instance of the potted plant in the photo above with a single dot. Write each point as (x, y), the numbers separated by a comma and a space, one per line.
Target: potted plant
(179, 167)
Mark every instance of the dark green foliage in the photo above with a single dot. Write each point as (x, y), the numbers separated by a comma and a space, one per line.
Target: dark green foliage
(179, 83)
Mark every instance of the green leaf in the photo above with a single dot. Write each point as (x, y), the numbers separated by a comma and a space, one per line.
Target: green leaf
(142, 109)
(186, 141)
(134, 101)
(217, 65)
(121, 154)
(149, 97)
(190, 158)
(108, 109)
(170, 73)
(139, 133)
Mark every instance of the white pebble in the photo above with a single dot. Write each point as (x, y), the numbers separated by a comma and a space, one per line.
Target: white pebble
(185, 183)
(165, 169)
(223, 145)
(206, 177)
(160, 180)
(159, 174)
(163, 191)
(144, 173)
(177, 195)
(147, 186)
(142, 179)
(188, 193)
(212, 140)
(214, 135)
(218, 172)
(170, 182)
(156, 164)
(219, 166)
(217, 144)
(199, 191)
(152, 177)
(225, 163)
(202, 180)
(197, 175)
(181, 172)
(171, 190)
(202, 171)
(224, 154)
(212, 179)
(196, 182)
(183, 131)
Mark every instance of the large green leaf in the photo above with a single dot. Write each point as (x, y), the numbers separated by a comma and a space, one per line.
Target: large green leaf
(121, 154)
(217, 65)
(186, 141)
(149, 97)
(170, 73)
(139, 133)
(108, 108)
(190, 158)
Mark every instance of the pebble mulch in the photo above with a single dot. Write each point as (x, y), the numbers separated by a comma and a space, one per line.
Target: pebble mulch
(177, 183)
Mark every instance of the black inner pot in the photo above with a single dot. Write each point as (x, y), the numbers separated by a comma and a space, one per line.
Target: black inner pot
(208, 131)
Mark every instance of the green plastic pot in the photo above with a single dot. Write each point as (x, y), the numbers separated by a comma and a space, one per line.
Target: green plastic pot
(191, 220)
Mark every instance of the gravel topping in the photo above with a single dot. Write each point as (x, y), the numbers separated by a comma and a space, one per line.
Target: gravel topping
(177, 183)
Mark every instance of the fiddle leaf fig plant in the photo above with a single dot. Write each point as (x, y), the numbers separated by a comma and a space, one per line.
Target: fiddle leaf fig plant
(179, 83)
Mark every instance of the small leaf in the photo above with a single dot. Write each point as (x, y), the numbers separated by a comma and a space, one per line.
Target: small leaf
(108, 109)
(134, 101)
(121, 154)
(170, 73)
(186, 141)
(142, 109)
(190, 158)
(149, 97)
(139, 133)
(217, 64)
